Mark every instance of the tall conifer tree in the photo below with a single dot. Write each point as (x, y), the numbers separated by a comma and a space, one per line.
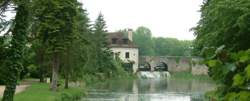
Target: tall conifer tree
(57, 26)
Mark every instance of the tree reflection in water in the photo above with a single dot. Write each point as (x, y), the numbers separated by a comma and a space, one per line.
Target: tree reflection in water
(150, 90)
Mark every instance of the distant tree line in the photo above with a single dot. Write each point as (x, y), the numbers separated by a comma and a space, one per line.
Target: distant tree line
(160, 46)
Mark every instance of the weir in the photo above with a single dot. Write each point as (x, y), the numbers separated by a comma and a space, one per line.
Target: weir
(153, 75)
(160, 71)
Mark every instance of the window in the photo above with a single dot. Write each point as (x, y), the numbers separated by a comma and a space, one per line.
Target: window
(114, 41)
(127, 55)
(125, 41)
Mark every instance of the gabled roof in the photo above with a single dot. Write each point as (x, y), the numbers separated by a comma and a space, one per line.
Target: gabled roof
(122, 40)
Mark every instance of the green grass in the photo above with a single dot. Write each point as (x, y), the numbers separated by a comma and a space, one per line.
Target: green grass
(41, 92)
(189, 76)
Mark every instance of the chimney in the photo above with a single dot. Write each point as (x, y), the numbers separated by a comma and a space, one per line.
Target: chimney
(130, 34)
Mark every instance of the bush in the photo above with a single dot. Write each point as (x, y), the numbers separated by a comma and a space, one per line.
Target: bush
(231, 71)
(69, 97)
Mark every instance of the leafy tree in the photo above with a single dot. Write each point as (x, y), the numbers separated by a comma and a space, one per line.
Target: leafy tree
(40, 63)
(231, 71)
(159, 46)
(2, 57)
(171, 47)
(143, 38)
(224, 22)
(15, 57)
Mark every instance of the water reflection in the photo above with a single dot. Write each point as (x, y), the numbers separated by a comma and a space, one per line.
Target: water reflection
(150, 90)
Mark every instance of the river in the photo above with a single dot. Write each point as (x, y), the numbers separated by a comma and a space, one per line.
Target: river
(150, 90)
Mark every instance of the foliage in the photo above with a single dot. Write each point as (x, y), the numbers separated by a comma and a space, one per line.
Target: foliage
(231, 72)
(224, 22)
(3, 48)
(172, 47)
(74, 58)
(159, 46)
(48, 37)
(143, 38)
(15, 54)
(42, 93)
(101, 62)
(57, 25)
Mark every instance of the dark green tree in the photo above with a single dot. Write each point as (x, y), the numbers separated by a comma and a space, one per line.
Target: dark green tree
(15, 53)
(74, 59)
(100, 32)
(3, 55)
(100, 46)
(101, 62)
(56, 26)
(224, 22)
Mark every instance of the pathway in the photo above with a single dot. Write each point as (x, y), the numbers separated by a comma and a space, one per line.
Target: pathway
(19, 89)
(24, 84)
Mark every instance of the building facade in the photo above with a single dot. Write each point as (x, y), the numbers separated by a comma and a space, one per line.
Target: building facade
(122, 45)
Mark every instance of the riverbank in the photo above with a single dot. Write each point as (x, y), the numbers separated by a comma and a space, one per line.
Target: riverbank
(189, 76)
(41, 92)
(21, 87)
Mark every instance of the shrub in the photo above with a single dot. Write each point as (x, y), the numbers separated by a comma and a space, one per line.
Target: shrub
(231, 71)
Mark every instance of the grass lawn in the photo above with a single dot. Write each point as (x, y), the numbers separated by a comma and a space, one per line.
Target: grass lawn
(41, 92)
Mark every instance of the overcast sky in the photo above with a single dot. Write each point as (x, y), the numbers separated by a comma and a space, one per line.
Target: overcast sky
(165, 18)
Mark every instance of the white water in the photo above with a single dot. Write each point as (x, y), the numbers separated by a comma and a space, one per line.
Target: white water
(153, 75)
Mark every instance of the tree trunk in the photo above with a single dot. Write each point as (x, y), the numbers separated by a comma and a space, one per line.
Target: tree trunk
(67, 68)
(41, 64)
(10, 84)
(41, 79)
(9, 92)
(55, 70)
(66, 86)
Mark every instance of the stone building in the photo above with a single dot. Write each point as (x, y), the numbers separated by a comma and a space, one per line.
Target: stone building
(122, 45)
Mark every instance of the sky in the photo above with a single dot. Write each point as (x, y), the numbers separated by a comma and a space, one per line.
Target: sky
(165, 18)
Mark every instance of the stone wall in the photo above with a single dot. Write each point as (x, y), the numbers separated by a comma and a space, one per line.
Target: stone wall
(198, 68)
(176, 63)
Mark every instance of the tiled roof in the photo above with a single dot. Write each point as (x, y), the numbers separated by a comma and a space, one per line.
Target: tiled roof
(121, 40)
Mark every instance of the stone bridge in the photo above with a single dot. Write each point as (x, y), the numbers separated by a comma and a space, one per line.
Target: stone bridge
(175, 63)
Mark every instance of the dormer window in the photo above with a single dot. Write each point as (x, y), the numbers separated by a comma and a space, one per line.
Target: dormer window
(114, 41)
(125, 41)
